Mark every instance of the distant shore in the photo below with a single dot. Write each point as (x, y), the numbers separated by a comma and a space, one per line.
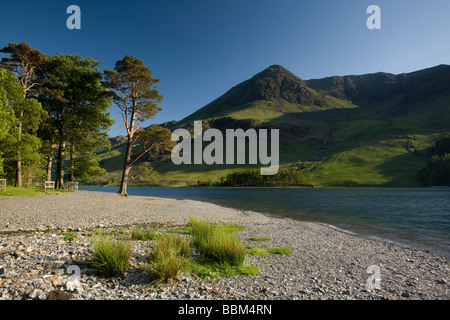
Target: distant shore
(326, 263)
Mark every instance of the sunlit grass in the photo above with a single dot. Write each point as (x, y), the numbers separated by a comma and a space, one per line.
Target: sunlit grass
(256, 251)
(261, 239)
(27, 192)
(110, 257)
(281, 250)
(166, 259)
(144, 234)
(218, 242)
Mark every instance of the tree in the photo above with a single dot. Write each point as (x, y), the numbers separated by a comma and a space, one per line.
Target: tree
(142, 172)
(134, 93)
(22, 142)
(77, 102)
(87, 163)
(10, 93)
(437, 170)
(23, 61)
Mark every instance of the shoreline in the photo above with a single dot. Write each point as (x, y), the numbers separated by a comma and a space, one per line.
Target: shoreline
(271, 215)
(327, 263)
(403, 242)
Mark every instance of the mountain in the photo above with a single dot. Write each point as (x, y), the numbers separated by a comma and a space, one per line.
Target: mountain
(274, 84)
(381, 85)
(369, 129)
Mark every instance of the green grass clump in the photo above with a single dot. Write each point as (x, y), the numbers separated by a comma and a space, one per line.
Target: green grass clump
(101, 233)
(181, 230)
(110, 257)
(256, 251)
(248, 270)
(217, 242)
(230, 227)
(281, 250)
(144, 234)
(167, 257)
(262, 239)
(68, 236)
(207, 268)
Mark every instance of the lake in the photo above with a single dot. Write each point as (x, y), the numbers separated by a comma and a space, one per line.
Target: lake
(416, 217)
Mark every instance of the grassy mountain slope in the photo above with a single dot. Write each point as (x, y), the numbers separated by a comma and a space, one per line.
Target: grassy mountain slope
(352, 130)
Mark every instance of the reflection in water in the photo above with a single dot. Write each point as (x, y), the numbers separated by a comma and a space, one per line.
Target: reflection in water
(418, 217)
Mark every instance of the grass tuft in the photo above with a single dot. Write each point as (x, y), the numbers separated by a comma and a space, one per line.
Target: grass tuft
(167, 257)
(217, 242)
(281, 250)
(261, 239)
(110, 257)
(256, 251)
(144, 234)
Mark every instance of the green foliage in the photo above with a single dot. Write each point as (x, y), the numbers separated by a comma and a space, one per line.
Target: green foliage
(253, 177)
(68, 236)
(23, 148)
(217, 243)
(441, 146)
(259, 239)
(281, 250)
(77, 105)
(88, 165)
(10, 94)
(144, 234)
(27, 192)
(138, 173)
(249, 270)
(23, 60)
(256, 251)
(134, 88)
(101, 233)
(437, 170)
(110, 257)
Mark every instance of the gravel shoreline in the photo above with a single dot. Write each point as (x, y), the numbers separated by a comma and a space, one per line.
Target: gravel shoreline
(326, 263)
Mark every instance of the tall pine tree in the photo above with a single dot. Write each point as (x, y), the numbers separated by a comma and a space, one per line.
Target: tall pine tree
(134, 93)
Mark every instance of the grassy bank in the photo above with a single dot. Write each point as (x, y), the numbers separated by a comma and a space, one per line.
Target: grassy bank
(26, 192)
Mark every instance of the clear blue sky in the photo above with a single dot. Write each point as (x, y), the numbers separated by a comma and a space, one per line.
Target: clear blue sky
(199, 49)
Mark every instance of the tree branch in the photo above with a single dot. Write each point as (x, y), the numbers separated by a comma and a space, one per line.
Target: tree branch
(143, 152)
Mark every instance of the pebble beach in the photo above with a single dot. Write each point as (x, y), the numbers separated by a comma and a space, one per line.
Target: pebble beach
(326, 263)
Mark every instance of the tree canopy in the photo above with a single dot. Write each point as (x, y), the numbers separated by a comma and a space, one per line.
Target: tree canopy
(77, 103)
(437, 170)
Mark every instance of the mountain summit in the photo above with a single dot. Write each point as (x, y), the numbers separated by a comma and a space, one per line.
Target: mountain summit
(275, 84)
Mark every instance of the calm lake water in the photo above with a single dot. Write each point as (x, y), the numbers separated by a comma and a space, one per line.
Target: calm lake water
(416, 217)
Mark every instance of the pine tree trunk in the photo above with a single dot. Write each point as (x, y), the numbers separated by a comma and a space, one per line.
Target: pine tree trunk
(126, 170)
(29, 176)
(18, 182)
(60, 166)
(72, 163)
(49, 168)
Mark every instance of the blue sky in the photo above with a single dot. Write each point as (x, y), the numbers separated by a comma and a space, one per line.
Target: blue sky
(199, 49)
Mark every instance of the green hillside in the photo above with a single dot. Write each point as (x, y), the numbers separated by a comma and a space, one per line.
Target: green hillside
(339, 131)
